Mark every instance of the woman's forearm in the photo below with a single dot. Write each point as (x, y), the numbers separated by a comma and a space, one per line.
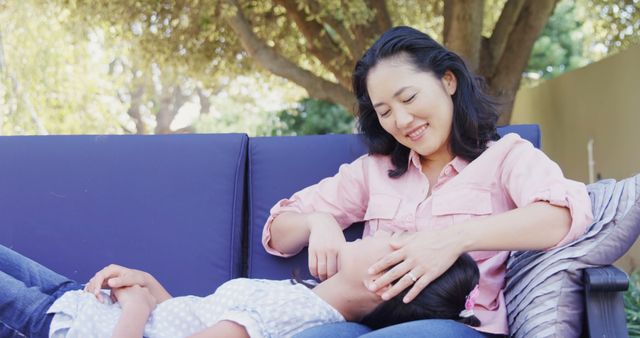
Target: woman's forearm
(536, 226)
(290, 232)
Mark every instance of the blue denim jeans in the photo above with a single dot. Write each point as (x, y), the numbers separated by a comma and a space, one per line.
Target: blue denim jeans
(27, 290)
(432, 328)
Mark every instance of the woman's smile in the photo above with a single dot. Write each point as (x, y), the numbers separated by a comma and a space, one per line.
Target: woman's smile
(416, 134)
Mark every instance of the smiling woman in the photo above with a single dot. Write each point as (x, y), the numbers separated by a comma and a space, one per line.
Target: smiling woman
(419, 114)
(437, 167)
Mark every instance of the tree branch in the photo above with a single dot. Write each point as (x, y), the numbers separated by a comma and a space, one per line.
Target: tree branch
(382, 20)
(319, 43)
(367, 32)
(134, 109)
(506, 80)
(463, 29)
(345, 35)
(268, 58)
(494, 47)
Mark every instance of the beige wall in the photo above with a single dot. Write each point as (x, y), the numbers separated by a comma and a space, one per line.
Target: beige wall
(599, 102)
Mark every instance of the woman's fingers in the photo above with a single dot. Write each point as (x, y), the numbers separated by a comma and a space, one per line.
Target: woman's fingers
(332, 264)
(394, 274)
(419, 258)
(418, 286)
(325, 240)
(313, 264)
(401, 284)
(386, 262)
(322, 266)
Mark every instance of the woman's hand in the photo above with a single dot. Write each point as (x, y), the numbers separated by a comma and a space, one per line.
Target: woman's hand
(417, 260)
(325, 240)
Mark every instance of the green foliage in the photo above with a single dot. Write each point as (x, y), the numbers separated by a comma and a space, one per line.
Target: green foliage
(310, 117)
(78, 66)
(561, 45)
(248, 105)
(632, 305)
(55, 78)
(583, 31)
(616, 23)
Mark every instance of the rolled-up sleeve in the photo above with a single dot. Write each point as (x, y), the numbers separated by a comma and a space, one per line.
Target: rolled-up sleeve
(530, 176)
(344, 196)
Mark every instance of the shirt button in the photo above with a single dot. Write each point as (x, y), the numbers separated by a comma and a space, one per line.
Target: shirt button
(447, 171)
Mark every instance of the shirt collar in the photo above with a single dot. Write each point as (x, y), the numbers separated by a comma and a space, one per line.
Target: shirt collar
(458, 163)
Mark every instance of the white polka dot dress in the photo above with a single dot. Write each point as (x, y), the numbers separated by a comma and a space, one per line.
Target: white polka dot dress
(265, 308)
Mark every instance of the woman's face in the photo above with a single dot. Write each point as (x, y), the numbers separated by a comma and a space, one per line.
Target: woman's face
(415, 107)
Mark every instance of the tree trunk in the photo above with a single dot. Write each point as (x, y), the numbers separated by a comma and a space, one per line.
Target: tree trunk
(319, 44)
(134, 109)
(205, 102)
(504, 82)
(463, 29)
(171, 101)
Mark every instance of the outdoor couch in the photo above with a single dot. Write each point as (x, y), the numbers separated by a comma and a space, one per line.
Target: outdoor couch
(188, 208)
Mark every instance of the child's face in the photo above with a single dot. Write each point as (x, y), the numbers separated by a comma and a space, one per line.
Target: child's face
(357, 256)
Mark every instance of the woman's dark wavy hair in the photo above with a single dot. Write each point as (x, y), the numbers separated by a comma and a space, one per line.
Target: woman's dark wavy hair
(474, 113)
(444, 298)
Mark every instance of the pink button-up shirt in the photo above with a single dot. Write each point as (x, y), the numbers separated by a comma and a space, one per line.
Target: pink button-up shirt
(511, 173)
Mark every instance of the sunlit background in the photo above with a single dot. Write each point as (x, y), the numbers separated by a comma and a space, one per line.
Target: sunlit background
(145, 67)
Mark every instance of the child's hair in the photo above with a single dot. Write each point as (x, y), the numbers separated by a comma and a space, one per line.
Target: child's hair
(444, 298)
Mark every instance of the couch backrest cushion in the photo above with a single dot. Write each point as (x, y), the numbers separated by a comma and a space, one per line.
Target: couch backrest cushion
(170, 205)
(280, 166)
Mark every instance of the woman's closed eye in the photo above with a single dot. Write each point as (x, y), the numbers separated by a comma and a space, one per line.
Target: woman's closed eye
(410, 98)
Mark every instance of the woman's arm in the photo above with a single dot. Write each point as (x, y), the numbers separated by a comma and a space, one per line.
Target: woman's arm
(290, 232)
(223, 329)
(539, 225)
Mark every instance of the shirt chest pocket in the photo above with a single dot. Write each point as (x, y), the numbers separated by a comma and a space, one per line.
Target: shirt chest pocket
(457, 205)
(382, 212)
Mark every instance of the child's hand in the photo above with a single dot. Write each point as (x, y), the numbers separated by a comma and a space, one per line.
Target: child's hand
(135, 297)
(115, 276)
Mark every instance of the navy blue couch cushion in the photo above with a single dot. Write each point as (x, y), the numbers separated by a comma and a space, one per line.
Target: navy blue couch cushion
(280, 166)
(171, 205)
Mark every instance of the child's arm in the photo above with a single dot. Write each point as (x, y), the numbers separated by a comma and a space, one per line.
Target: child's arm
(137, 304)
(223, 329)
(116, 276)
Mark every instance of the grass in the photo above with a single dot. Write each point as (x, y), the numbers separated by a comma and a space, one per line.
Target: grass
(632, 305)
